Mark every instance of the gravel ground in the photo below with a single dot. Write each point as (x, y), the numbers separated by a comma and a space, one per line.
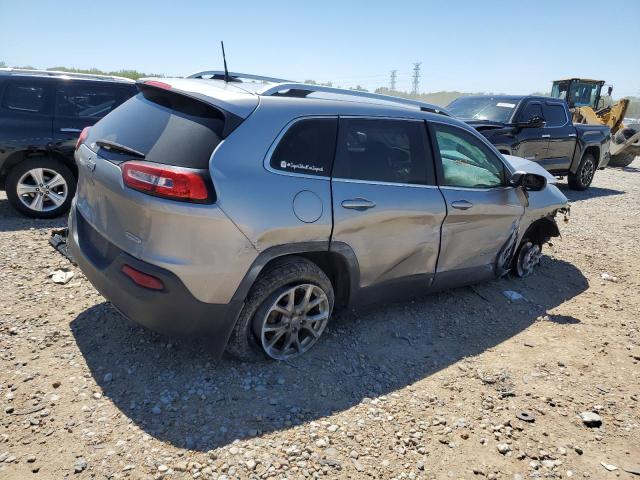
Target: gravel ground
(426, 389)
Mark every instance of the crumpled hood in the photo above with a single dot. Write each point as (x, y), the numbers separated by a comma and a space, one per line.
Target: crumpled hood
(520, 164)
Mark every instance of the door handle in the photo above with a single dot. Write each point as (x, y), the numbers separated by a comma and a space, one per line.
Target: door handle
(546, 135)
(70, 130)
(358, 204)
(461, 205)
(572, 134)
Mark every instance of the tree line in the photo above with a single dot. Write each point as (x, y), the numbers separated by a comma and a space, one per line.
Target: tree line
(437, 98)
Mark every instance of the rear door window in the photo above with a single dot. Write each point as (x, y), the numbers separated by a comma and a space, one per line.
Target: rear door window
(86, 100)
(555, 115)
(166, 127)
(383, 150)
(307, 147)
(26, 96)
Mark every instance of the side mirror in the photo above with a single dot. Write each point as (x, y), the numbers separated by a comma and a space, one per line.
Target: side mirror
(534, 122)
(528, 181)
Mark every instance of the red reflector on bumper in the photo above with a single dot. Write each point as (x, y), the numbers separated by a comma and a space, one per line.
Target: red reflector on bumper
(142, 279)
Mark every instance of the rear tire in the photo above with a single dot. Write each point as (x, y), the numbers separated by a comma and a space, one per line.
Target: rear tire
(261, 315)
(41, 187)
(622, 160)
(584, 175)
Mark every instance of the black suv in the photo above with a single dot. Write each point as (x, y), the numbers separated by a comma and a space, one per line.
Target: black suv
(42, 114)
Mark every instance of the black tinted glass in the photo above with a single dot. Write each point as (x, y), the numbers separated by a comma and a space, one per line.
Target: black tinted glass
(307, 147)
(168, 128)
(383, 151)
(530, 111)
(554, 115)
(25, 97)
(81, 100)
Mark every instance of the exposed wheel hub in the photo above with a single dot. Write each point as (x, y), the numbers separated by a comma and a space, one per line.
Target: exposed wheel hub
(528, 258)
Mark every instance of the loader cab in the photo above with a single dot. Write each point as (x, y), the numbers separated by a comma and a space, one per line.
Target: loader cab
(580, 92)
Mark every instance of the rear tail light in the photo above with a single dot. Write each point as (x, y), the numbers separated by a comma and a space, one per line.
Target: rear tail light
(165, 181)
(143, 279)
(83, 136)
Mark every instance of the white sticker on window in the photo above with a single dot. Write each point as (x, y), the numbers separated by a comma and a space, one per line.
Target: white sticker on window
(507, 105)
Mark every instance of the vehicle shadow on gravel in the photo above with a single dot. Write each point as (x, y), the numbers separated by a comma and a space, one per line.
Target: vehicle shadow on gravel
(591, 192)
(176, 392)
(12, 221)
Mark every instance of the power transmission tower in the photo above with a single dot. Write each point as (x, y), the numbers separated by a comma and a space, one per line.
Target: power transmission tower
(393, 80)
(416, 78)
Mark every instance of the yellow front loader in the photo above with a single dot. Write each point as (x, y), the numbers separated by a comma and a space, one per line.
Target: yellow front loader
(589, 106)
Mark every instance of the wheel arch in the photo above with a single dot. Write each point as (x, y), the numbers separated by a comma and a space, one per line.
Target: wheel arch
(20, 156)
(336, 259)
(541, 231)
(593, 149)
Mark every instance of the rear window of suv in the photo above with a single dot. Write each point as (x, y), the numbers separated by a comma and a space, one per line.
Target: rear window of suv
(167, 127)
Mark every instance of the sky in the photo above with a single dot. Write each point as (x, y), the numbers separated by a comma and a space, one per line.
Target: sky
(495, 46)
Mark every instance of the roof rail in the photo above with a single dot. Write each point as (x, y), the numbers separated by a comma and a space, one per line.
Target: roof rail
(304, 89)
(220, 75)
(33, 71)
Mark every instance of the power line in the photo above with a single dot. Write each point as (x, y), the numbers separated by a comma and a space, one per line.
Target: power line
(416, 78)
(392, 82)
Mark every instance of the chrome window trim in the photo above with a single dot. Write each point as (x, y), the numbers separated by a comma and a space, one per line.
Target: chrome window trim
(476, 189)
(392, 184)
(382, 117)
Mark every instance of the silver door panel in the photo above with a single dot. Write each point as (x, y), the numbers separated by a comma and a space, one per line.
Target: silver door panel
(398, 237)
(473, 237)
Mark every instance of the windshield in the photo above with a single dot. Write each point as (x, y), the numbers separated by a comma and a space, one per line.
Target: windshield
(581, 93)
(483, 108)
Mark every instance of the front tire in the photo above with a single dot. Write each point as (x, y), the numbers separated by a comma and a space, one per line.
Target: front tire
(584, 175)
(41, 187)
(285, 313)
(527, 258)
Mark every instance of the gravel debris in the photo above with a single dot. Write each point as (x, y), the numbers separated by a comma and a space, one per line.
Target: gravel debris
(420, 390)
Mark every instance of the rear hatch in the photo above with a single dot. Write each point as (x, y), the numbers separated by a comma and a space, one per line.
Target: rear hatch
(161, 129)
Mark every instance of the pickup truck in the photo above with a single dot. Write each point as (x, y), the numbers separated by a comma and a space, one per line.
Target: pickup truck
(538, 129)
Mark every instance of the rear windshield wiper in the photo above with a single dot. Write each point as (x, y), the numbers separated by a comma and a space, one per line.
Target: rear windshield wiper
(113, 146)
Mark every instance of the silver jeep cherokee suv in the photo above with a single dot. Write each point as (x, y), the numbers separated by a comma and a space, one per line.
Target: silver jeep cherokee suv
(249, 210)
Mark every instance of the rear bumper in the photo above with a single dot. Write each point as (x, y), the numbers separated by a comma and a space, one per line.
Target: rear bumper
(172, 311)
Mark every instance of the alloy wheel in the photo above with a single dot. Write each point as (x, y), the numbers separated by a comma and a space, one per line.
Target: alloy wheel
(42, 189)
(528, 258)
(295, 321)
(588, 169)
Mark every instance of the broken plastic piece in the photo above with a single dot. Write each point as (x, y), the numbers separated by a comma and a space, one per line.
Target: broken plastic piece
(58, 240)
(62, 276)
(513, 296)
(609, 467)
